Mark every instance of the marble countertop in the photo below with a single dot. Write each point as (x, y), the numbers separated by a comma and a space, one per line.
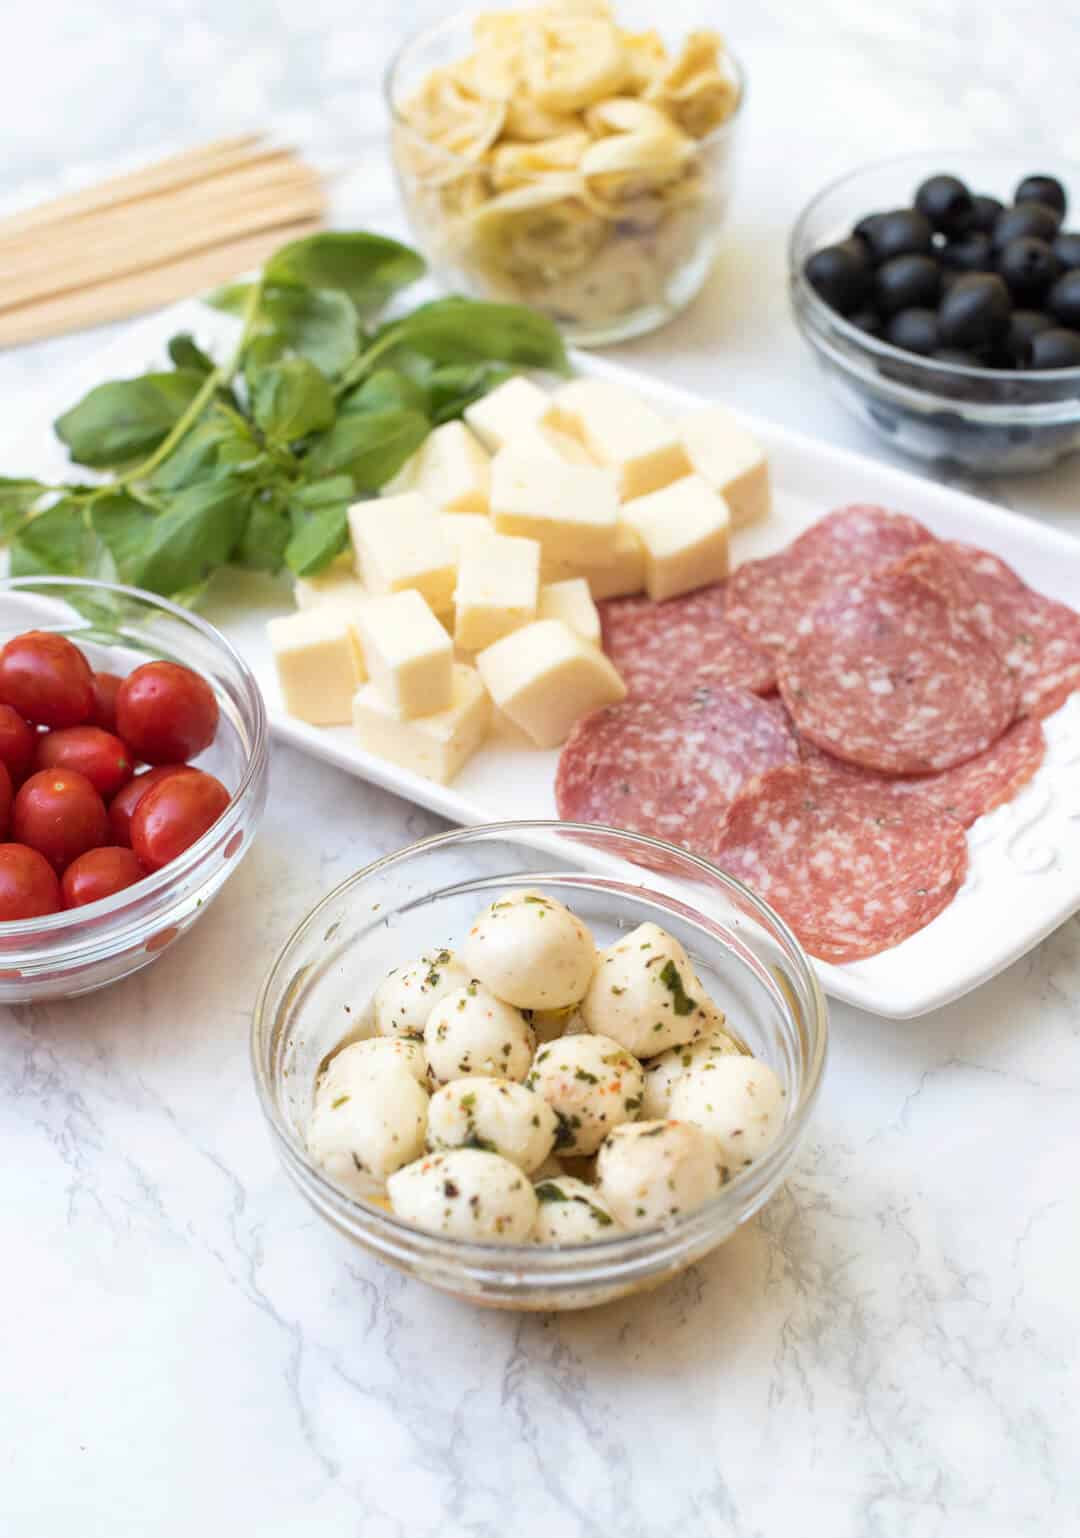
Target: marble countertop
(892, 1350)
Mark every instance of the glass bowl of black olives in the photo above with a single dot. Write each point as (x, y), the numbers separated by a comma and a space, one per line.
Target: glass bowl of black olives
(941, 298)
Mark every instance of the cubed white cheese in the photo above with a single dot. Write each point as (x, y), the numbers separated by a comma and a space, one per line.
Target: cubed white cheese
(571, 602)
(550, 443)
(497, 588)
(319, 663)
(571, 509)
(730, 459)
(460, 528)
(684, 529)
(509, 409)
(621, 431)
(544, 677)
(436, 747)
(625, 574)
(399, 543)
(452, 470)
(409, 656)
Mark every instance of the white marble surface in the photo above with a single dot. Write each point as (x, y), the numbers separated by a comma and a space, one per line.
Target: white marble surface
(891, 1351)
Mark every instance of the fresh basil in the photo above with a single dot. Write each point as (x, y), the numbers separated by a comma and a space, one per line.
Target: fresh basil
(369, 269)
(318, 517)
(291, 399)
(371, 447)
(126, 418)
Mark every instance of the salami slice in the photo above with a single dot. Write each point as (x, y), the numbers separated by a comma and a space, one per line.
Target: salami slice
(769, 600)
(657, 647)
(893, 676)
(850, 869)
(670, 768)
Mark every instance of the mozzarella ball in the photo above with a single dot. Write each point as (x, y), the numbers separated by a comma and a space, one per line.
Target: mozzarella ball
(593, 1083)
(645, 995)
(663, 1072)
(530, 951)
(465, 1194)
(650, 1171)
(571, 1213)
(740, 1101)
(366, 1122)
(494, 1114)
(373, 1053)
(406, 996)
(473, 1032)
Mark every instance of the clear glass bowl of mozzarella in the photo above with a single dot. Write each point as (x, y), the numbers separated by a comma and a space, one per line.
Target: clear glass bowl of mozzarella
(574, 158)
(539, 1065)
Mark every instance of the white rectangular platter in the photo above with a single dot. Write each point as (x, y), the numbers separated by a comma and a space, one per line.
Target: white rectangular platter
(1024, 877)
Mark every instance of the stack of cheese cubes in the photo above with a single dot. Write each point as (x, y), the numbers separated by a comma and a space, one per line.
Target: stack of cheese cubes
(472, 582)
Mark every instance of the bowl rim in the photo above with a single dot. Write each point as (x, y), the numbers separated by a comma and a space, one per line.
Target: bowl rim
(83, 925)
(764, 1173)
(825, 316)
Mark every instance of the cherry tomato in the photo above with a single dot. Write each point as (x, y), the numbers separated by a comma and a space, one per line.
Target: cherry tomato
(18, 744)
(105, 689)
(6, 797)
(166, 713)
(101, 756)
(60, 814)
(28, 885)
(99, 873)
(46, 679)
(174, 813)
(125, 801)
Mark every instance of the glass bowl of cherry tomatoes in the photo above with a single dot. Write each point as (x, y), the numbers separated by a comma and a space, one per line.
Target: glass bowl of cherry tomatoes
(133, 773)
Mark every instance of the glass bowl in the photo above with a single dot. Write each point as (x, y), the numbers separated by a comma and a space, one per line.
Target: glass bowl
(118, 628)
(428, 894)
(601, 279)
(988, 421)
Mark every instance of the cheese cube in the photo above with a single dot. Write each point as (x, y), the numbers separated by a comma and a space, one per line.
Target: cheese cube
(408, 654)
(571, 602)
(434, 746)
(497, 588)
(620, 431)
(730, 459)
(550, 443)
(452, 470)
(684, 529)
(570, 509)
(319, 663)
(399, 543)
(544, 677)
(508, 410)
(337, 584)
(625, 574)
(460, 528)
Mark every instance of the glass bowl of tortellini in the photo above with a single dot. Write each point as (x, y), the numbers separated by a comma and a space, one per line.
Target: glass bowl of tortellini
(539, 1065)
(573, 155)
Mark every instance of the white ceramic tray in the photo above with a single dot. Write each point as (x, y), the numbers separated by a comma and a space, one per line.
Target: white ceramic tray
(1024, 877)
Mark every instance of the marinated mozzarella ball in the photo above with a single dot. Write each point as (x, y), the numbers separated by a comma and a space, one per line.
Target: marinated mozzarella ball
(465, 1194)
(651, 1171)
(740, 1101)
(405, 998)
(366, 1121)
(645, 995)
(530, 951)
(663, 1072)
(493, 1114)
(470, 1031)
(376, 1052)
(593, 1083)
(571, 1213)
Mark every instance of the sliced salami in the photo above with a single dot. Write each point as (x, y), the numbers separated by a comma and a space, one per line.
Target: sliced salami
(852, 870)
(894, 676)
(769, 600)
(657, 647)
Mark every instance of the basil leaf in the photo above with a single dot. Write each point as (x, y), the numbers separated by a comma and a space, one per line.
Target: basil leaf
(457, 330)
(185, 352)
(262, 352)
(17, 497)
(124, 526)
(266, 534)
(126, 418)
(368, 268)
(216, 445)
(57, 543)
(232, 298)
(318, 324)
(318, 514)
(197, 532)
(457, 385)
(291, 399)
(371, 447)
(384, 389)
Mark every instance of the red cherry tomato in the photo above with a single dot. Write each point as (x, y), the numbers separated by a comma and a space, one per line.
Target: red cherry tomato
(101, 756)
(105, 690)
(46, 679)
(174, 813)
(60, 814)
(18, 744)
(166, 713)
(99, 873)
(125, 801)
(28, 885)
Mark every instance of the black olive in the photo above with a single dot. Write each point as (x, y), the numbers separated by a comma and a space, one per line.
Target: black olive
(907, 281)
(841, 274)
(946, 202)
(1028, 266)
(1042, 189)
(915, 330)
(1057, 348)
(1063, 301)
(867, 320)
(958, 355)
(985, 212)
(975, 311)
(1067, 248)
(900, 232)
(1023, 326)
(971, 253)
(1036, 219)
